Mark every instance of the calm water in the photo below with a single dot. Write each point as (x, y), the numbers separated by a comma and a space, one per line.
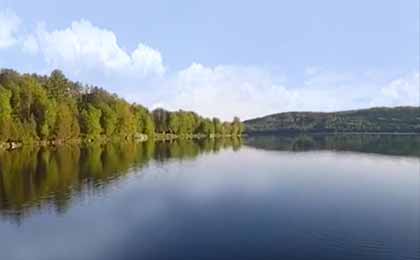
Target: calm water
(306, 197)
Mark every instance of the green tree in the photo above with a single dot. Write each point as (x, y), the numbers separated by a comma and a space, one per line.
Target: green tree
(144, 121)
(44, 112)
(236, 126)
(227, 128)
(108, 120)
(206, 127)
(57, 85)
(218, 127)
(5, 114)
(161, 118)
(63, 123)
(174, 123)
(149, 125)
(126, 123)
(90, 122)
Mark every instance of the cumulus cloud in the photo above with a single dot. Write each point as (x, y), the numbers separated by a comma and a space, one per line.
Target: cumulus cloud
(402, 91)
(30, 44)
(223, 91)
(84, 47)
(227, 91)
(9, 26)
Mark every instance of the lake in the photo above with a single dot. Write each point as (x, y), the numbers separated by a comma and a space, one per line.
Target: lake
(262, 197)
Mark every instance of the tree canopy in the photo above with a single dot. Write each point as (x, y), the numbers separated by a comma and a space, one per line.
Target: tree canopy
(38, 108)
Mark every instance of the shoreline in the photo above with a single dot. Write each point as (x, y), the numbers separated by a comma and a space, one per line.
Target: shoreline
(158, 137)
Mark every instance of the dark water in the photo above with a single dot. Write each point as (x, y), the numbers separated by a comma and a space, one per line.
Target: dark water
(306, 197)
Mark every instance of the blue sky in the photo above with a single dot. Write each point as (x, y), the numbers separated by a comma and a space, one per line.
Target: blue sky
(224, 58)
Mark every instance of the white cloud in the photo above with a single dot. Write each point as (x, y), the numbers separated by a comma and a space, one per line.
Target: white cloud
(30, 45)
(222, 91)
(9, 26)
(226, 91)
(147, 60)
(83, 47)
(401, 91)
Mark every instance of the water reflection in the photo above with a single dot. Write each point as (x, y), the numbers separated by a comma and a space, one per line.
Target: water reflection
(199, 200)
(35, 178)
(389, 144)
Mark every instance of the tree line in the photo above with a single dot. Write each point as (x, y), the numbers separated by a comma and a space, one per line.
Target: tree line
(53, 108)
(376, 119)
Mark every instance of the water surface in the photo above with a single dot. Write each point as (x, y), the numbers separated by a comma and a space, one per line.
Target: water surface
(269, 197)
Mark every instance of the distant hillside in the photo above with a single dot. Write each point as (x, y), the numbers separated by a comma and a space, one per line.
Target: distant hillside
(380, 119)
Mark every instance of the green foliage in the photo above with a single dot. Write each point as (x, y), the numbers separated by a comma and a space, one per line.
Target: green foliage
(108, 120)
(90, 122)
(174, 123)
(63, 123)
(147, 124)
(34, 108)
(218, 127)
(226, 128)
(5, 114)
(206, 127)
(126, 123)
(398, 119)
(236, 127)
(161, 118)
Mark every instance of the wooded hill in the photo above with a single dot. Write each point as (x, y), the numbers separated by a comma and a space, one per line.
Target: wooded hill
(379, 119)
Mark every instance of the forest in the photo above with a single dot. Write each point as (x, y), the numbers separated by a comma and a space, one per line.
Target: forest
(54, 109)
(377, 119)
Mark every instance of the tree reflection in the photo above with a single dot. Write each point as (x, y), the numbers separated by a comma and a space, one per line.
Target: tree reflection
(389, 144)
(35, 178)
